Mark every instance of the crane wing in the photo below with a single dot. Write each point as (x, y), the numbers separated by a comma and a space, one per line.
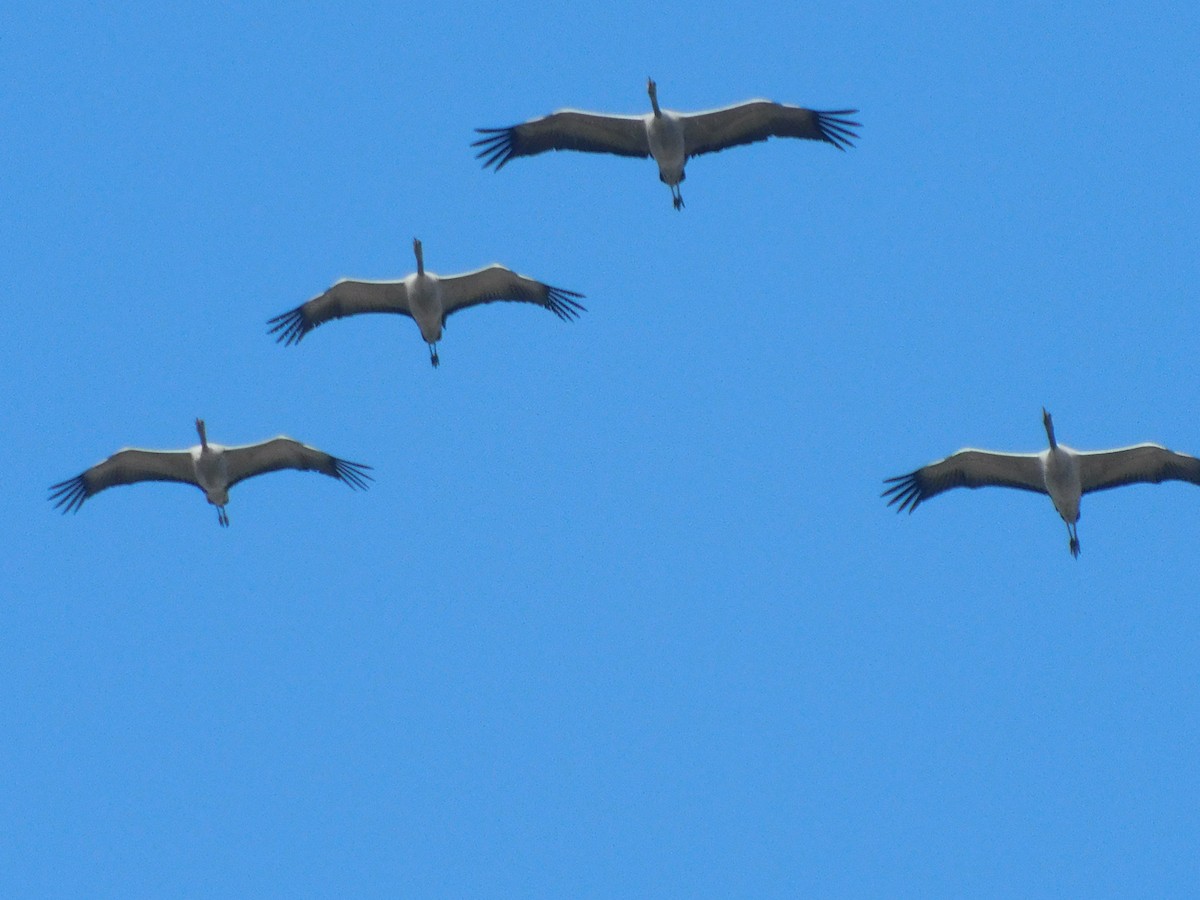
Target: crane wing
(346, 298)
(285, 453)
(567, 129)
(1144, 463)
(966, 468)
(757, 120)
(123, 467)
(499, 283)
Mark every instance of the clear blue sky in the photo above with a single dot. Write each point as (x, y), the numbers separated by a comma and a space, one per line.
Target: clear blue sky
(623, 614)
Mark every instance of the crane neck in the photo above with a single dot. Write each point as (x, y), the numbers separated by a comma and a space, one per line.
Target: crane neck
(1050, 432)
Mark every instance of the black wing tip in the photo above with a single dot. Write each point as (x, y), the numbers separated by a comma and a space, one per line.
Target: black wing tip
(838, 130)
(291, 326)
(905, 492)
(563, 304)
(69, 495)
(496, 149)
(356, 475)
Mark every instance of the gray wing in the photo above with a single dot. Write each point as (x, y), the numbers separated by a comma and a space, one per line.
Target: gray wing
(567, 129)
(284, 453)
(1145, 463)
(757, 120)
(966, 468)
(498, 283)
(346, 298)
(123, 467)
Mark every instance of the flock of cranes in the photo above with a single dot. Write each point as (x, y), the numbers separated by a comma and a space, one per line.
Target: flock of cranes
(671, 138)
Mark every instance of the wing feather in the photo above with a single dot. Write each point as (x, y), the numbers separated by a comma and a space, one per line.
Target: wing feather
(757, 120)
(966, 468)
(346, 298)
(127, 466)
(567, 129)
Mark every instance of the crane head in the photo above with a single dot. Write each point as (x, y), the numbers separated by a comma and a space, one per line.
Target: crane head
(652, 90)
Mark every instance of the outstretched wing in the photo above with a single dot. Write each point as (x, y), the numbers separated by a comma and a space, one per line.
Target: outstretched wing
(757, 120)
(285, 453)
(123, 467)
(567, 129)
(1143, 463)
(346, 298)
(498, 283)
(966, 468)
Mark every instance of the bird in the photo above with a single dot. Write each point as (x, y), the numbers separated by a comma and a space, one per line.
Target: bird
(672, 138)
(1063, 473)
(424, 296)
(211, 467)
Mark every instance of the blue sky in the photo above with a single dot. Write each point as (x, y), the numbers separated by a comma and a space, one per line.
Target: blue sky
(623, 613)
